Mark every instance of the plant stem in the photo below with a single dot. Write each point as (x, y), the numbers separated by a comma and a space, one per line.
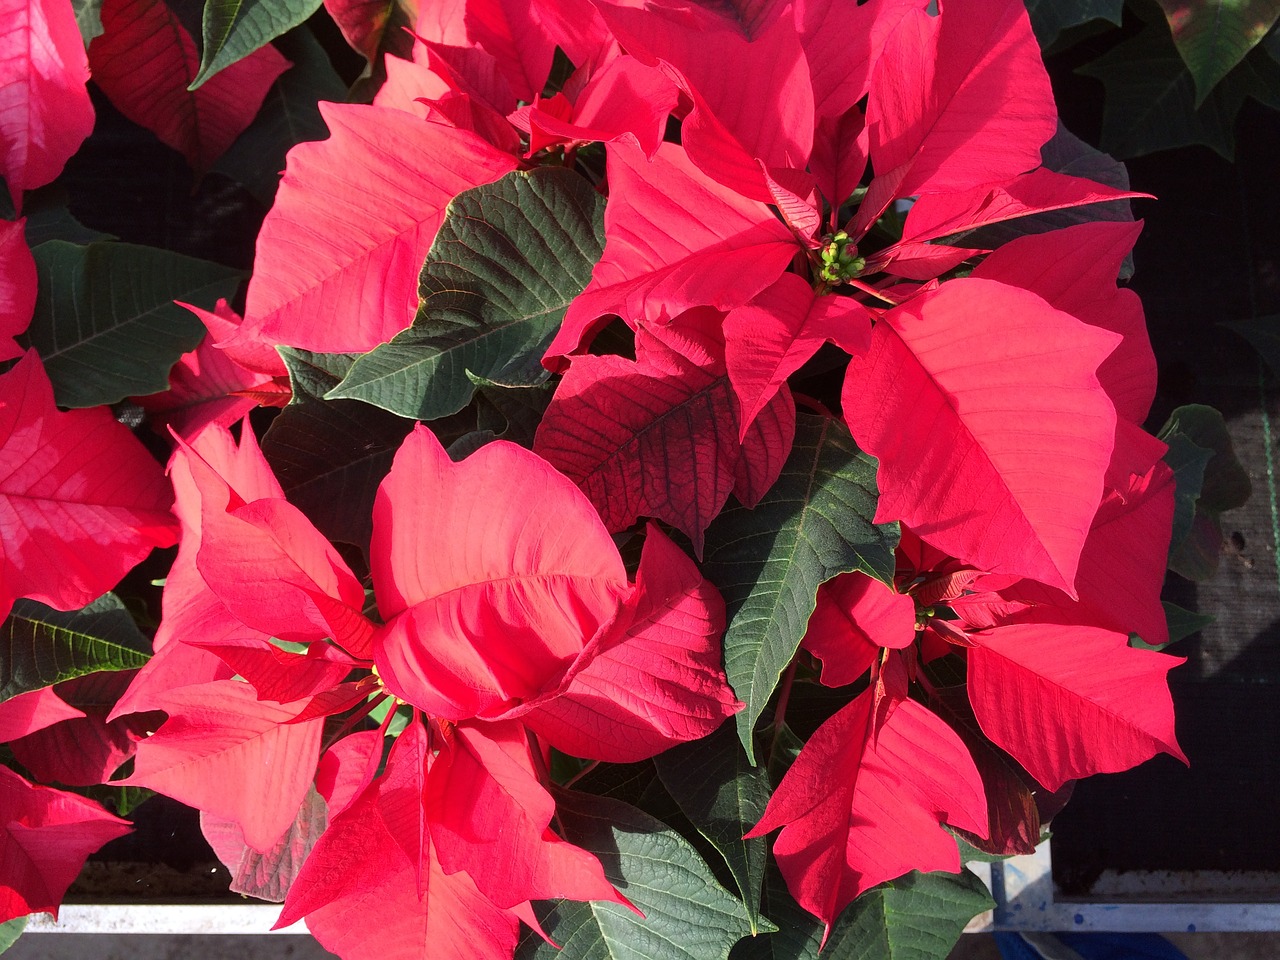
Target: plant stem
(780, 714)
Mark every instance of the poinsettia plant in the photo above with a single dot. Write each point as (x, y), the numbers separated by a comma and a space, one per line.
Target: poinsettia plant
(673, 476)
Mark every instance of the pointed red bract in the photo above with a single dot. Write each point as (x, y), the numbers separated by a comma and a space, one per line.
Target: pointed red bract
(45, 837)
(748, 80)
(856, 617)
(144, 61)
(654, 678)
(956, 100)
(17, 286)
(866, 799)
(359, 891)
(32, 711)
(219, 734)
(491, 817)
(88, 749)
(983, 406)
(674, 239)
(658, 437)
(45, 113)
(1069, 701)
(1075, 271)
(81, 500)
(339, 254)
(775, 334)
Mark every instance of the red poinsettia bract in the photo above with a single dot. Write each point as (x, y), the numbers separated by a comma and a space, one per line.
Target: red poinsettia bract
(510, 626)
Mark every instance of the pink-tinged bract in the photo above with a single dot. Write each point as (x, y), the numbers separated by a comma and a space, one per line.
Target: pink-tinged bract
(956, 100)
(45, 113)
(866, 799)
(45, 837)
(220, 733)
(488, 592)
(339, 254)
(654, 678)
(145, 59)
(1068, 701)
(856, 617)
(993, 435)
(32, 711)
(81, 500)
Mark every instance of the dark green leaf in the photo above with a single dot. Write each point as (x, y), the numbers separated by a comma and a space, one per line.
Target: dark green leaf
(1212, 36)
(723, 796)
(105, 322)
(313, 375)
(121, 801)
(11, 931)
(512, 412)
(469, 443)
(233, 29)
(1264, 334)
(48, 218)
(1225, 486)
(40, 646)
(1183, 623)
(1050, 17)
(688, 915)
(1151, 101)
(330, 456)
(509, 259)
(289, 115)
(1188, 462)
(917, 917)
(768, 562)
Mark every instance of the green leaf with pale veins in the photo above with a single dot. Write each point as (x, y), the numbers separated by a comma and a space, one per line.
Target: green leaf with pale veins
(814, 523)
(508, 260)
(105, 323)
(233, 29)
(917, 917)
(687, 914)
(88, 19)
(40, 646)
(723, 795)
(288, 116)
(1213, 36)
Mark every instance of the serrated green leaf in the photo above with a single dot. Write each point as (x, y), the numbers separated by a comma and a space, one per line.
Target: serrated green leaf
(688, 915)
(916, 917)
(314, 374)
(11, 931)
(1183, 623)
(814, 523)
(40, 646)
(508, 260)
(289, 115)
(105, 323)
(1151, 98)
(1213, 36)
(1264, 334)
(723, 795)
(233, 29)
(1050, 17)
